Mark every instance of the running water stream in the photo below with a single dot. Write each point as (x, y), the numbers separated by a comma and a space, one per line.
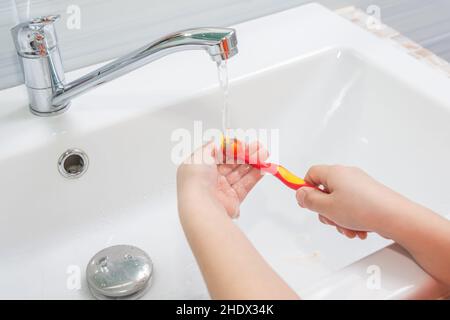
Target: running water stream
(222, 71)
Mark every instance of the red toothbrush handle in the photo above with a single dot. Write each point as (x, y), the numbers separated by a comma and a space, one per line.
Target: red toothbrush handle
(239, 152)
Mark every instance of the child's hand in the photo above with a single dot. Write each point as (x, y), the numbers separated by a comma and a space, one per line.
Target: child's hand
(353, 202)
(208, 195)
(201, 176)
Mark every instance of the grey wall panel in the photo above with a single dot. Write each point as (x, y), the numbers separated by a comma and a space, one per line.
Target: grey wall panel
(109, 28)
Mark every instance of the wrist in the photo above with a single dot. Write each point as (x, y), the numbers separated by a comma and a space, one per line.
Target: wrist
(396, 215)
(197, 200)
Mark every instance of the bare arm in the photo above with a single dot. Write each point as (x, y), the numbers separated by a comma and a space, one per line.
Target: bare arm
(231, 266)
(208, 196)
(425, 235)
(356, 204)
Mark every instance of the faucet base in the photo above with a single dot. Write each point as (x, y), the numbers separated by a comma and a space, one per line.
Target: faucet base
(55, 112)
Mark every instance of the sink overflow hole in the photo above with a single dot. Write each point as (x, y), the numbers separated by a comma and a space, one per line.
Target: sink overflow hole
(73, 163)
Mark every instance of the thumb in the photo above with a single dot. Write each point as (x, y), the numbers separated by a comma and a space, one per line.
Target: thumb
(313, 199)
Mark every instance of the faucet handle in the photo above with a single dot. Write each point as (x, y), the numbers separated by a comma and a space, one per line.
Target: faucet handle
(35, 37)
(37, 47)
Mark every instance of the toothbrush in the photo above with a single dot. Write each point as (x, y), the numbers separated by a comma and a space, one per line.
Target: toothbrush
(284, 175)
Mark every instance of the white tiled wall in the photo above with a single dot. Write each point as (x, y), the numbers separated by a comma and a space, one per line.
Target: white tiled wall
(109, 28)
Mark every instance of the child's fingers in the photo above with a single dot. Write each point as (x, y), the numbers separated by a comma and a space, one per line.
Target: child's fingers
(314, 200)
(352, 233)
(318, 175)
(347, 232)
(238, 172)
(225, 169)
(243, 177)
(325, 220)
(230, 163)
(362, 235)
(246, 183)
(254, 150)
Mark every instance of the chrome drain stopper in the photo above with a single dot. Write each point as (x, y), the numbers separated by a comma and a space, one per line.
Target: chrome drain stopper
(119, 272)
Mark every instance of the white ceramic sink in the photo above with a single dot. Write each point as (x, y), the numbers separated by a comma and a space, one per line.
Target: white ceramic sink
(337, 95)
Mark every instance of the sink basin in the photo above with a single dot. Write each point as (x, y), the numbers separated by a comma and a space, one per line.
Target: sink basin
(349, 112)
(338, 96)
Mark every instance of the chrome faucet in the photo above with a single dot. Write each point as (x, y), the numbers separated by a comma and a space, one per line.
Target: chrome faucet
(48, 92)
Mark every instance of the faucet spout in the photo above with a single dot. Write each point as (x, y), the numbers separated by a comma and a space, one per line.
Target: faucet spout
(219, 43)
(48, 92)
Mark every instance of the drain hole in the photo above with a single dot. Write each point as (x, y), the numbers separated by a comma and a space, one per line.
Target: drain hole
(73, 163)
